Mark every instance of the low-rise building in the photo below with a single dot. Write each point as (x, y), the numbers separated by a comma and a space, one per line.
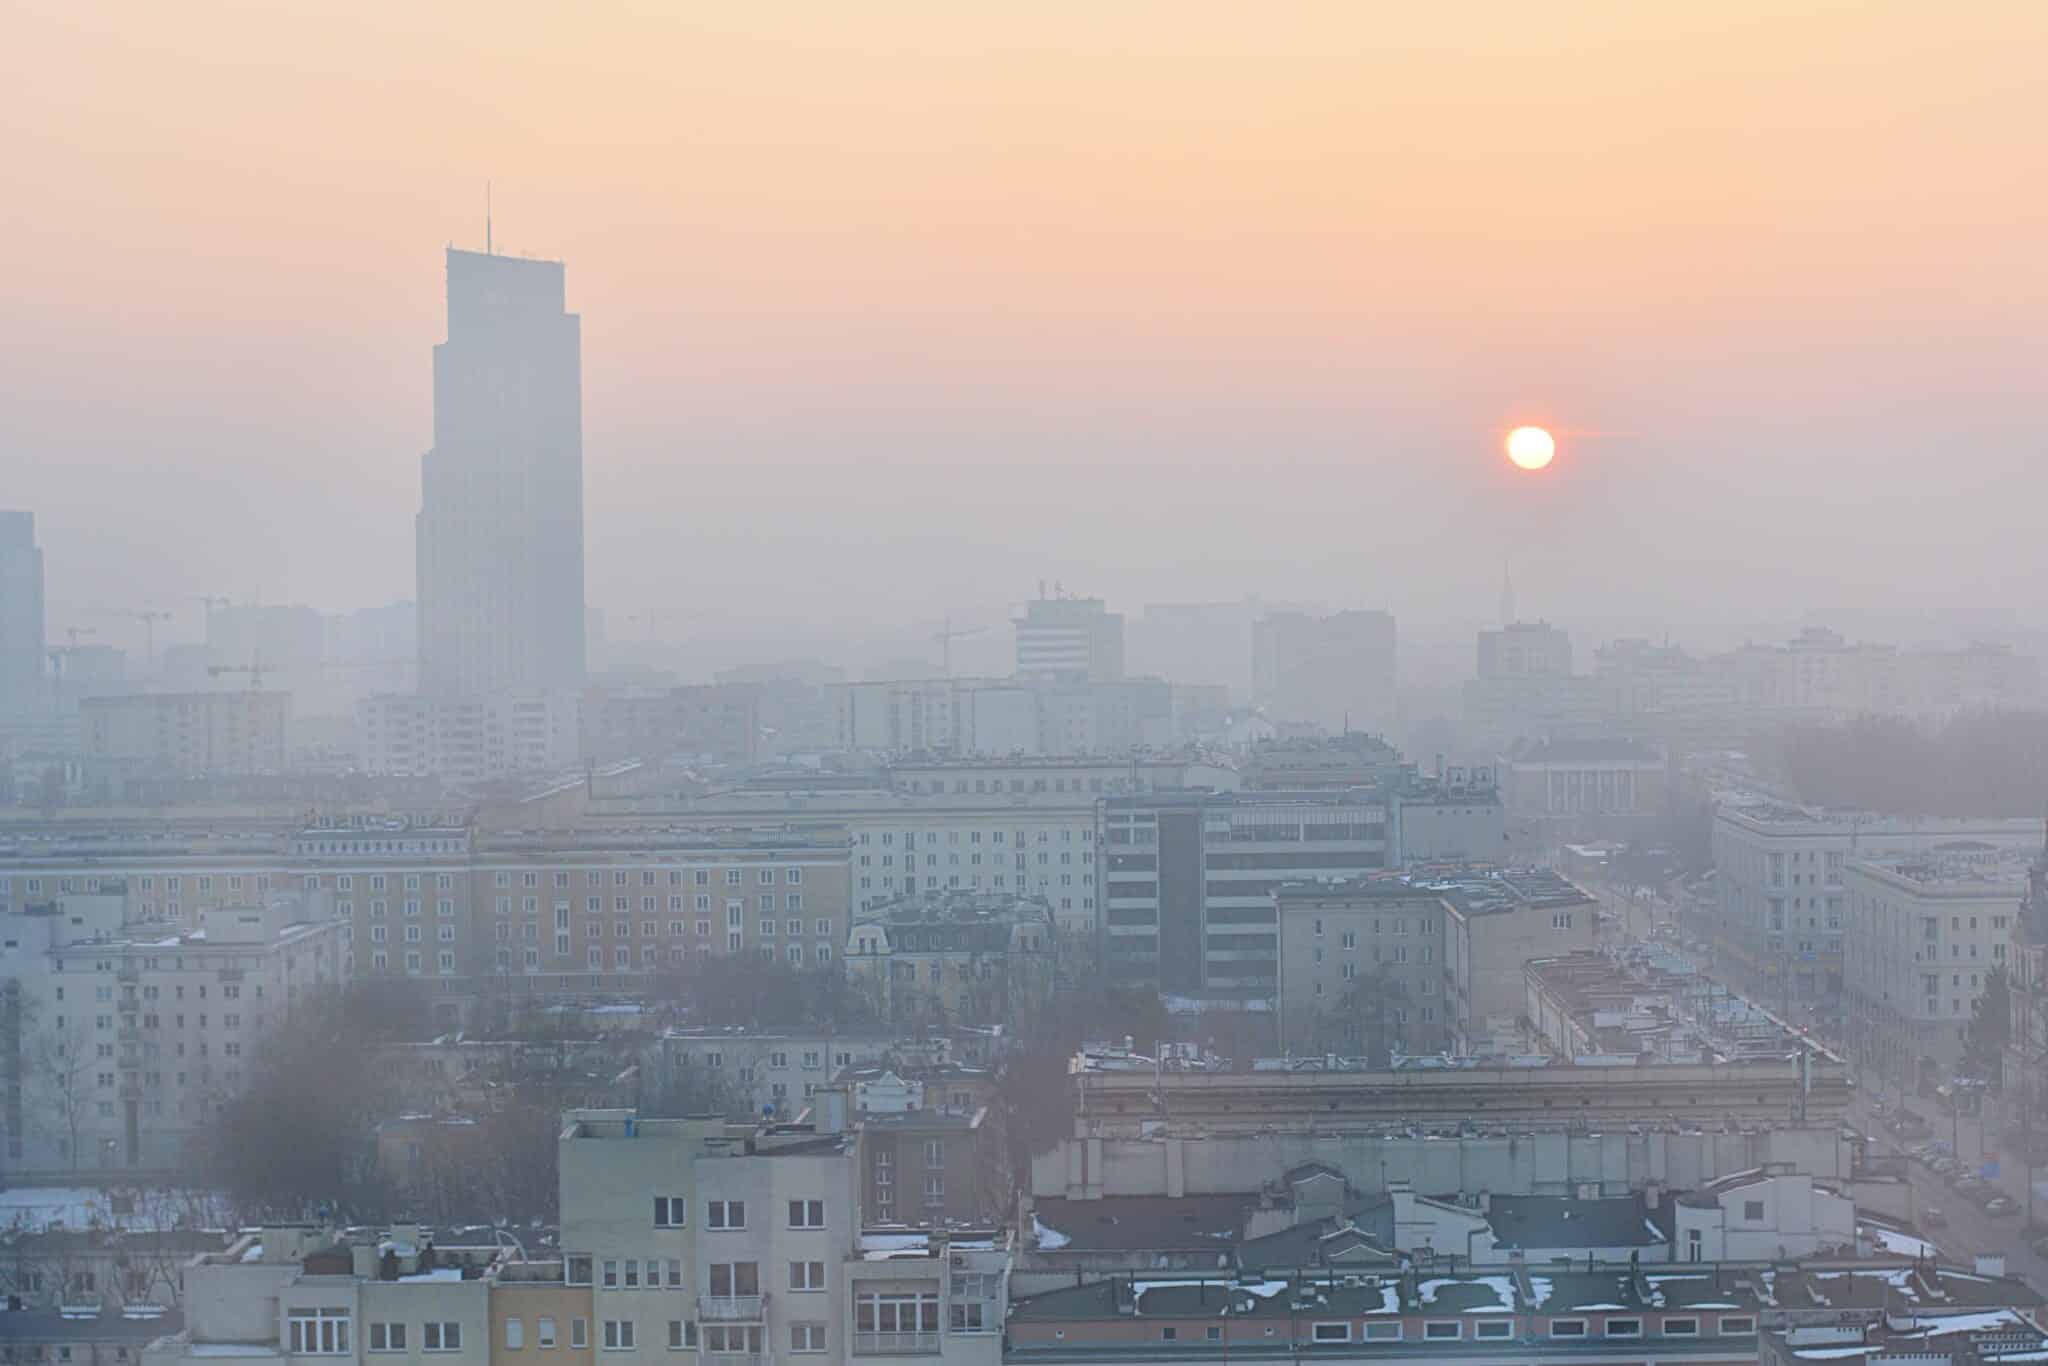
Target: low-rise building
(191, 734)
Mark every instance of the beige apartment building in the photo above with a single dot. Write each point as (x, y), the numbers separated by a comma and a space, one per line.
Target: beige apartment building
(582, 910)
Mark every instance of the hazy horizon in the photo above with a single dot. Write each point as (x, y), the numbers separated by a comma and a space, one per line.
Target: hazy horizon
(1167, 303)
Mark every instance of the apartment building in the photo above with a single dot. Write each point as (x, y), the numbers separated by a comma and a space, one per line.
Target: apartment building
(1782, 902)
(987, 959)
(191, 734)
(589, 910)
(1038, 843)
(1924, 932)
(1362, 969)
(761, 1230)
(127, 1036)
(289, 1292)
(1186, 880)
(467, 739)
(1419, 964)
(758, 1072)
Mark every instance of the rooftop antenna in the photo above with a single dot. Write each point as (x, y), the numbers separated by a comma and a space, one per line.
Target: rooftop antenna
(487, 218)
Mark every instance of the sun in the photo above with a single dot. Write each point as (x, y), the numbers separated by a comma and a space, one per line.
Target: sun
(1531, 448)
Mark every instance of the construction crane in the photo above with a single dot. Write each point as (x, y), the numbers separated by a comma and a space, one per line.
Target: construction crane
(149, 617)
(946, 635)
(254, 669)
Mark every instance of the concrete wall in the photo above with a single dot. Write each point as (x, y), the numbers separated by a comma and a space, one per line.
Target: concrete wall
(1538, 1164)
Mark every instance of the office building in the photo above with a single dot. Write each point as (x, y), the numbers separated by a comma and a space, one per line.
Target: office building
(500, 531)
(21, 616)
(1186, 880)
(1777, 923)
(1336, 671)
(1070, 640)
(466, 739)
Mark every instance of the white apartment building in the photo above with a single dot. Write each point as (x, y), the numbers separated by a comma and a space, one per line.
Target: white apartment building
(133, 1034)
(1782, 901)
(467, 739)
(193, 734)
(1924, 931)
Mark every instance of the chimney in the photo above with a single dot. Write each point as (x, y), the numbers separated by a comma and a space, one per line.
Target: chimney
(828, 1115)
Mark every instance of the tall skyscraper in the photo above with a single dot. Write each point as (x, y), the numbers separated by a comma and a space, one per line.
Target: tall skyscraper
(21, 615)
(500, 528)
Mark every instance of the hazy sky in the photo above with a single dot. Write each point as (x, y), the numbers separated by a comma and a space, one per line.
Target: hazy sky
(895, 308)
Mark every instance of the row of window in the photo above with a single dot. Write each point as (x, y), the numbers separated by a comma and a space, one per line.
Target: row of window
(1451, 1330)
(621, 877)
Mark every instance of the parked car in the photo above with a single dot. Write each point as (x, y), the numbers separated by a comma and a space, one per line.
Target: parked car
(2001, 1206)
(1932, 1217)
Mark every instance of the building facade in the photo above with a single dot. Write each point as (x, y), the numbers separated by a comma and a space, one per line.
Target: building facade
(241, 732)
(1923, 934)
(1186, 881)
(21, 616)
(1336, 671)
(128, 1035)
(1781, 904)
(1070, 640)
(500, 527)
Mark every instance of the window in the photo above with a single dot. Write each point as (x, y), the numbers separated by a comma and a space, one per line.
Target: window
(1753, 1211)
(1383, 1332)
(1738, 1323)
(611, 1274)
(1331, 1332)
(1494, 1328)
(807, 1337)
(578, 1269)
(969, 1317)
(544, 1332)
(726, 1214)
(387, 1337)
(807, 1214)
(1624, 1328)
(1440, 1330)
(317, 1332)
(682, 1334)
(1567, 1328)
(579, 1332)
(1681, 1328)
(670, 1211)
(735, 1280)
(675, 1274)
(806, 1275)
(441, 1337)
(515, 1335)
(618, 1335)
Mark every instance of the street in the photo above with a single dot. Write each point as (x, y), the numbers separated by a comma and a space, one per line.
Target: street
(1969, 1230)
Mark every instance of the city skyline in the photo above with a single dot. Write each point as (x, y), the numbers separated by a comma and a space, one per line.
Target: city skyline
(826, 326)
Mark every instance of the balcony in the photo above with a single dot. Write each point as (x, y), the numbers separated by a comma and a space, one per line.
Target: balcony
(731, 1308)
(895, 1344)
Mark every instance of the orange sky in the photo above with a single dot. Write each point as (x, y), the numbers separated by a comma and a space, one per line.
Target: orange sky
(1050, 286)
